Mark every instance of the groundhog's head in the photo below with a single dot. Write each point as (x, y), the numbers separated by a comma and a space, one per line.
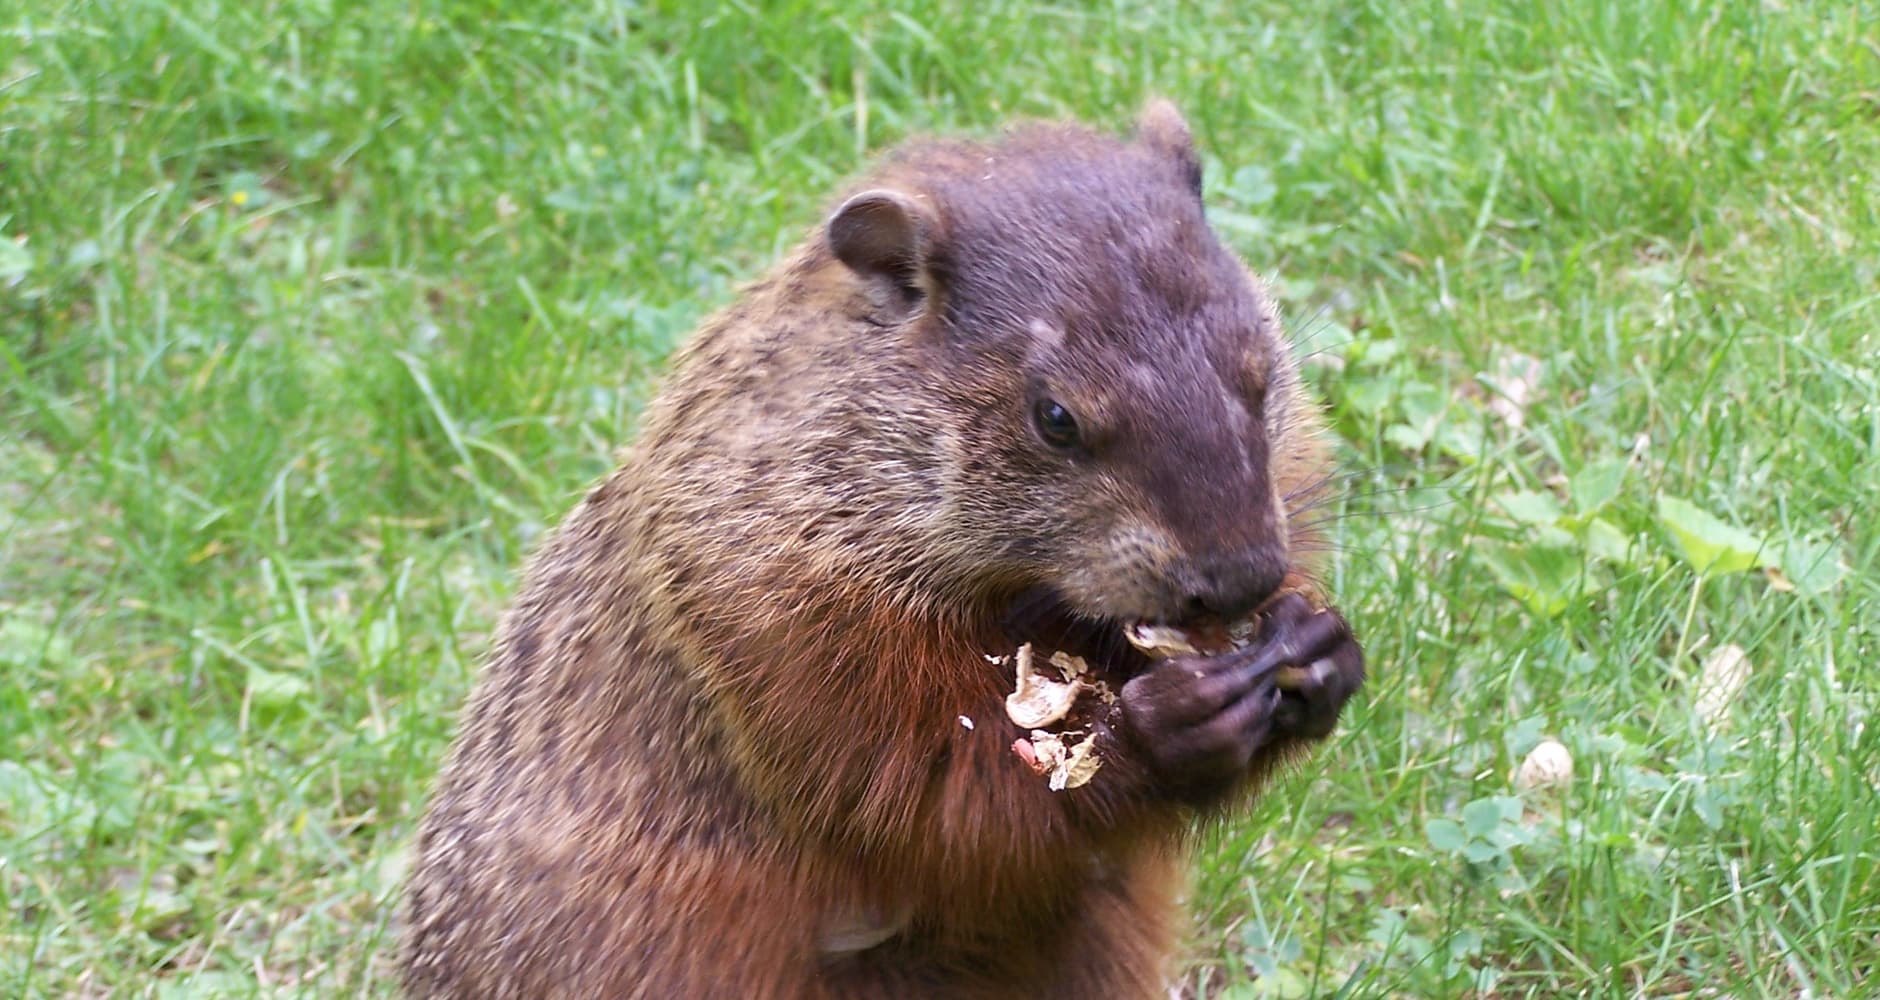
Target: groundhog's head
(1125, 402)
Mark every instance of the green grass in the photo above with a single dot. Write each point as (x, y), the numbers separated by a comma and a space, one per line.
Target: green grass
(314, 314)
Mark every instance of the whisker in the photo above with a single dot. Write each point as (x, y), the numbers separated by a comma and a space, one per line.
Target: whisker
(1323, 484)
(1343, 515)
(1323, 499)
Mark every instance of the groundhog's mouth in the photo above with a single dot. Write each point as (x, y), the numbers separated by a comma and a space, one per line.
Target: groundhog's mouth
(1042, 618)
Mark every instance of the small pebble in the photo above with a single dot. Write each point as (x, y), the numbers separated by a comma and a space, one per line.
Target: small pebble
(1548, 765)
(1725, 672)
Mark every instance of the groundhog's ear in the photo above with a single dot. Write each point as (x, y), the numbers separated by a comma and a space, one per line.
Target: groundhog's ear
(883, 237)
(1162, 129)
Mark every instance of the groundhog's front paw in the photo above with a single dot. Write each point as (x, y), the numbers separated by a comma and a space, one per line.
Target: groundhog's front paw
(1200, 720)
(1325, 665)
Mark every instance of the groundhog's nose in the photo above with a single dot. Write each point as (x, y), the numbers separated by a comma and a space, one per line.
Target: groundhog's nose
(1231, 586)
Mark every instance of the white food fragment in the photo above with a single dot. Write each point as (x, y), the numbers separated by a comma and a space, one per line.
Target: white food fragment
(1048, 749)
(1038, 700)
(966, 722)
(1165, 642)
(1076, 668)
(1725, 672)
(1160, 641)
(1069, 666)
(1078, 766)
(1548, 765)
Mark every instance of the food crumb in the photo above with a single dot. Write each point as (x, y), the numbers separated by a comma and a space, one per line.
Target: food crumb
(1067, 759)
(1078, 766)
(1023, 749)
(1037, 699)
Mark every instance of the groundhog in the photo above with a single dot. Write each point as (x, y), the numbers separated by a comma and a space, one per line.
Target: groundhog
(743, 731)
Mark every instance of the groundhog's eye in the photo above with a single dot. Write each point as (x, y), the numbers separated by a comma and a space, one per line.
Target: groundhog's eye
(1055, 424)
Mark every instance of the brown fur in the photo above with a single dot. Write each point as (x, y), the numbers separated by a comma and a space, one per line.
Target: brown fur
(721, 722)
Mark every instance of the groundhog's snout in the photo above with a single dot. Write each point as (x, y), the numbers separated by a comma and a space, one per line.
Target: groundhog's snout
(1229, 585)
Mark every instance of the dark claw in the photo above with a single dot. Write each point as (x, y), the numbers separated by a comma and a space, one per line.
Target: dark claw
(1321, 644)
(1291, 634)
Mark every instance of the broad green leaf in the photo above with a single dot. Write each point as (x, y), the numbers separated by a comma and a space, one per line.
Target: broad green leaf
(274, 689)
(1406, 437)
(1604, 541)
(1284, 984)
(1445, 835)
(1523, 734)
(1595, 485)
(1504, 837)
(1481, 816)
(1369, 396)
(1481, 852)
(1484, 980)
(1812, 567)
(1377, 352)
(1544, 577)
(1712, 547)
(1708, 809)
(1463, 440)
(1423, 406)
(1529, 507)
(1465, 943)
